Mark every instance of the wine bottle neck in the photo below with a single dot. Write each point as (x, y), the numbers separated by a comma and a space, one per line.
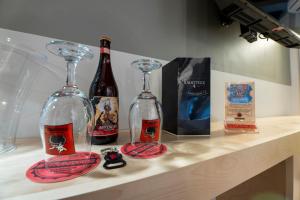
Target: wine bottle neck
(104, 50)
(104, 46)
(104, 71)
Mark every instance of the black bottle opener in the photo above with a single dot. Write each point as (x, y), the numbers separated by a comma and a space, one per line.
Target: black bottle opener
(113, 159)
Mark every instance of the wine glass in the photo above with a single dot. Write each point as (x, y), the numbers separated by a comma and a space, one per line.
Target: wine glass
(66, 120)
(145, 113)
(19, 68)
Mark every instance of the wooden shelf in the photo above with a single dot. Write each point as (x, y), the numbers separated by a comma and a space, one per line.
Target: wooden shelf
(193, 166)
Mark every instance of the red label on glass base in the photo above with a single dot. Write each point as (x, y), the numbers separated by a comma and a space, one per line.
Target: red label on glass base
(150, 130)
(59, 139)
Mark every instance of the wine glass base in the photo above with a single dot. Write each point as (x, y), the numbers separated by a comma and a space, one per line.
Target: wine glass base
(69, 50)
(146, 65)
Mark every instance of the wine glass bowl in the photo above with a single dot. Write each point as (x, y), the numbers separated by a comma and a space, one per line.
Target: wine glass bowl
(20, 66)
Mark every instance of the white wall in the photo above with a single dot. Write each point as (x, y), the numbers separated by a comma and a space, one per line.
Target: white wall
(295, 80)
(271, 98)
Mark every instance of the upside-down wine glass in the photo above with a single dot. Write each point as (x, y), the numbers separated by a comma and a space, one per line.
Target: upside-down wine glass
(145, 113)
(66, 120)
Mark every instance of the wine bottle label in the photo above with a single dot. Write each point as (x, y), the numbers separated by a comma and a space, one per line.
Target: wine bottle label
(105, 50)
(106, 115)
(59, 139)
(150, 130)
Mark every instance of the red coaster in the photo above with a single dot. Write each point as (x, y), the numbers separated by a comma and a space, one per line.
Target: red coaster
(143, 150)
(63, 168)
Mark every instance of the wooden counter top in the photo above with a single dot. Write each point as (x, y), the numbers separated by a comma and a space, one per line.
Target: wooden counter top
(193, 168)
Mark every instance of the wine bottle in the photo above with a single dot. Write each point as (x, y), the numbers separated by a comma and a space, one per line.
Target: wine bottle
(105, 98)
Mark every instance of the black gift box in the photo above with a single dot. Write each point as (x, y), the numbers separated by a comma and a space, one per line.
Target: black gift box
(186, 96)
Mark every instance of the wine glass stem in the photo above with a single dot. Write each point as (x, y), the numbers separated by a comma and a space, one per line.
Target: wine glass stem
(146, 86)
(71, 72)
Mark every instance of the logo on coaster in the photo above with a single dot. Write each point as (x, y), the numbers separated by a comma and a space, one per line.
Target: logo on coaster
(62, 168)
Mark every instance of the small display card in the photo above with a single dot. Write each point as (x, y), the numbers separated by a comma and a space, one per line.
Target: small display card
(240, 107)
